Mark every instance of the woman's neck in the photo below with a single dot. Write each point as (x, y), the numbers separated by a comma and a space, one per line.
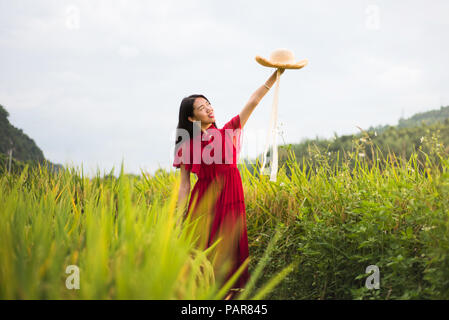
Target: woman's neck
(205, 127)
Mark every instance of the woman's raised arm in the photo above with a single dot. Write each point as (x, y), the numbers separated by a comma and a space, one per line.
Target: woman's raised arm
(256, 97)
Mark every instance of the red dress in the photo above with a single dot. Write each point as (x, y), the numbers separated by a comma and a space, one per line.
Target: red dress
(218, 197)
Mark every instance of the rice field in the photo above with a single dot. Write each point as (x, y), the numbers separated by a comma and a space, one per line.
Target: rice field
(312, 233)
(122, 235)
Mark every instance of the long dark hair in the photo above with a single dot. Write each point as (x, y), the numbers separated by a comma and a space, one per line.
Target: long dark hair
(185, 111)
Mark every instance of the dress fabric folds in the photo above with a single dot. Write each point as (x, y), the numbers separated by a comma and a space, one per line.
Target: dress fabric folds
(217, 197)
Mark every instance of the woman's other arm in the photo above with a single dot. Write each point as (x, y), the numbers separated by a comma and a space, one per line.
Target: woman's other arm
(184, 188)
(256, 97)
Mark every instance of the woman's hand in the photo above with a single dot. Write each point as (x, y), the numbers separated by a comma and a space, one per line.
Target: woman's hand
(275, 71)
(272, 79)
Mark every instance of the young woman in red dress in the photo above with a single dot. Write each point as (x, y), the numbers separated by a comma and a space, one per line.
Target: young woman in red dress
(217, 197)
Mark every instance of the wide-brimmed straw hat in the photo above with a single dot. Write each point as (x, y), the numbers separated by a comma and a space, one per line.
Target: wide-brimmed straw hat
(282, 58)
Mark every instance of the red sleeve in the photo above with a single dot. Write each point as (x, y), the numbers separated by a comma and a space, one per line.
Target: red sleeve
(181, 158)
(234, 123)
(233, 139)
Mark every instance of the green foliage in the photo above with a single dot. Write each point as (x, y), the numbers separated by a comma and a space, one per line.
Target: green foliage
(401, 141)
(336, 208)
(311, 233)
(16, 166)
(124, 233)
(339, 219)
(24, 149)
(429, 117)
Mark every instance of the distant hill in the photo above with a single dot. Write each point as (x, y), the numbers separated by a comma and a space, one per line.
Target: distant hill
(428, 117)
(418, 131)
(23, 148)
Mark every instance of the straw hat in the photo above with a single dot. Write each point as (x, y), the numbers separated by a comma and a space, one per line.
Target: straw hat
(282, 58)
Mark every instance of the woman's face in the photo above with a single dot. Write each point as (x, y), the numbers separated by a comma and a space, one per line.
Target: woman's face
(202, 111)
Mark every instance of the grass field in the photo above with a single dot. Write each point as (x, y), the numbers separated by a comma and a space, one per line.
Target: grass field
(312, 234)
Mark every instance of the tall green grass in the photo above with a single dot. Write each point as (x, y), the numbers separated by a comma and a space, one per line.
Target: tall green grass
(124, 234)
(337, 220)
(312, 233)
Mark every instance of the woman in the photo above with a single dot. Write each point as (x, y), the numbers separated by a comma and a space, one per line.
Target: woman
(217, 197)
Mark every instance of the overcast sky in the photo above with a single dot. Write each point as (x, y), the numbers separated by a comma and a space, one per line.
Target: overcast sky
(95, 82)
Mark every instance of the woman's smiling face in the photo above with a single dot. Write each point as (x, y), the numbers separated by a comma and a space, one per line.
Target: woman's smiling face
(202, 111)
